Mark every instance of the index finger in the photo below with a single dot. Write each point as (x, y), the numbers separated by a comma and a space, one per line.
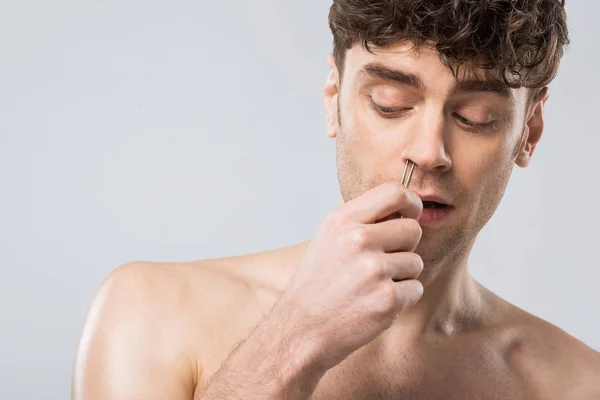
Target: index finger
(382, 201)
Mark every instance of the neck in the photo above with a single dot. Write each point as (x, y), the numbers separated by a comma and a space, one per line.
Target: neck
(451, 300)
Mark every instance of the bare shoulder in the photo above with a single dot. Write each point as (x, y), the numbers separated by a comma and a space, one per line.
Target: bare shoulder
(153, 327)
(555, 361)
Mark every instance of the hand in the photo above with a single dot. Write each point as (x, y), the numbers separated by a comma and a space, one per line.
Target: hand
(358, 273)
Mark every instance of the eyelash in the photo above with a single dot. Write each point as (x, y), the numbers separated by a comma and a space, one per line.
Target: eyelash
(388, 112)
(468, 122)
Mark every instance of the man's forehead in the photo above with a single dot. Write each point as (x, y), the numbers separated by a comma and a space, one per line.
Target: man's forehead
(407, 57)
(420, 67)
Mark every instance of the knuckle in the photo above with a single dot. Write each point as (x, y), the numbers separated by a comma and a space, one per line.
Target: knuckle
(359, 238)
(373, 266)
(334, 218)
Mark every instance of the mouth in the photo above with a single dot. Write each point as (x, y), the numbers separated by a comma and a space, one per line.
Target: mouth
(435, 210)
(434, 204)
(434, 201)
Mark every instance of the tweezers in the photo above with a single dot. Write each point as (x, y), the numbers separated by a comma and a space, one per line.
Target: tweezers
(406, 179)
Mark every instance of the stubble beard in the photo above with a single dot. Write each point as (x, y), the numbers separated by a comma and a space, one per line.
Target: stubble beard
(440, 248)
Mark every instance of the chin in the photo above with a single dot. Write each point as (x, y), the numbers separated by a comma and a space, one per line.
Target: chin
(443, 246)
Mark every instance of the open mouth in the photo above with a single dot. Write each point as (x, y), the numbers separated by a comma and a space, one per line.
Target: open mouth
(434, 204)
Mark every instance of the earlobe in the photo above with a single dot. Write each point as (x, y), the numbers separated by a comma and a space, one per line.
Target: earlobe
(330, 99)
(533, 129)
(525, 153)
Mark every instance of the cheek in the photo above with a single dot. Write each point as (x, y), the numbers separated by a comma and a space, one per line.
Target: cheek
(373, 143)
(484, 165)
(366, 155)
(359, 141)
(350, 155)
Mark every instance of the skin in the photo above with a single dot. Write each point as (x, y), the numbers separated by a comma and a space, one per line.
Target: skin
(310, 319)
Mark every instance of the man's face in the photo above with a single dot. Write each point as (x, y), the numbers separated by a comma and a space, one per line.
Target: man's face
(465, 137)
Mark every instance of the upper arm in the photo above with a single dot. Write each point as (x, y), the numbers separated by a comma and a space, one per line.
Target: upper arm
(132, 345)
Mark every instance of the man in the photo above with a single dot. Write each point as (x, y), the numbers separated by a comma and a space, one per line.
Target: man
(380, 304)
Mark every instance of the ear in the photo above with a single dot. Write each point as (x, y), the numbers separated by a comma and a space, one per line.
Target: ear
(331, 92)
(534, 128)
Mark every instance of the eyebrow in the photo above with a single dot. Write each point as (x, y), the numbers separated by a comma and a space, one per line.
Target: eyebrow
(479, 86)
(381, 71)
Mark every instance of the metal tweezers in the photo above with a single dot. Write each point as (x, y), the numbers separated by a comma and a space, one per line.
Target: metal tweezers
(406, 179)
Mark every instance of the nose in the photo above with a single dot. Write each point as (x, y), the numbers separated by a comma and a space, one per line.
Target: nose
(426, 142)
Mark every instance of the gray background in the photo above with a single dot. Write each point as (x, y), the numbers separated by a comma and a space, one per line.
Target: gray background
(179, 130)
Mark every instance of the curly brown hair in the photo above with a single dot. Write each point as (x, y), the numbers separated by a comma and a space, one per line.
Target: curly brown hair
(517, 42)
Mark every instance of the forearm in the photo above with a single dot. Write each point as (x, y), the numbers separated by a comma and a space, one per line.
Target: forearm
(269, 364)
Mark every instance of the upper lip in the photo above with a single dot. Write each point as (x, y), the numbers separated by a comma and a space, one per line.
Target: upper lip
(434, 197)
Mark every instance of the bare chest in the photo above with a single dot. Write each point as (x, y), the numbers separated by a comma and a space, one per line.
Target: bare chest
(412, 376)
(431, 387)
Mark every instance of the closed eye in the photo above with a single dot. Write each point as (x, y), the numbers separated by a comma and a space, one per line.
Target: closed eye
(468, 122)
(389, 112)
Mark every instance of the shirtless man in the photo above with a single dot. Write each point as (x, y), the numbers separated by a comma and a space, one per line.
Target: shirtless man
(374, 306)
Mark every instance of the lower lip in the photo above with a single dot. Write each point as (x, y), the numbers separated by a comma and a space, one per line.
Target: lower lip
(434, 216)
